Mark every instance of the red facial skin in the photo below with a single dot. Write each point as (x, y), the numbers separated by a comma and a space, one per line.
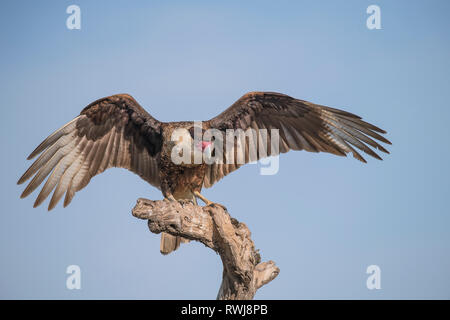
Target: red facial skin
(202, 145)
(205, 144)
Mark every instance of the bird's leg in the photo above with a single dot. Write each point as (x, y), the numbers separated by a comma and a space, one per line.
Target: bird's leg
(201, 197)
(208, 202)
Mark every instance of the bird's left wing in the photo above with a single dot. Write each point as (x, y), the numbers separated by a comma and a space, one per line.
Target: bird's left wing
(111, 132)
(302, 125)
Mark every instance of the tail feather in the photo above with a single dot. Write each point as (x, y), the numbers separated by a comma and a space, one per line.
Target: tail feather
(169, 243)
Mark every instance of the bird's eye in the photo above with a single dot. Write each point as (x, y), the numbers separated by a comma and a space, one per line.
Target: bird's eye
(191, 132)
(198, 131)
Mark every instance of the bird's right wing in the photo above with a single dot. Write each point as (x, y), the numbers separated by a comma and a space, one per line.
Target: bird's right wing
(111, 132)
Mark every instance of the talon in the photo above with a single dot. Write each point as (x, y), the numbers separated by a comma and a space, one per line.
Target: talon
(184, 201)
(170, 198)
(212, 204)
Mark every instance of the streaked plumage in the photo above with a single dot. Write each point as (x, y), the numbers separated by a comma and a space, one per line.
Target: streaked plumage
(117, 132)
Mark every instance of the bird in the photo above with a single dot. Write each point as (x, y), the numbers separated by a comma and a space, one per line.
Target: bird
(115, 131)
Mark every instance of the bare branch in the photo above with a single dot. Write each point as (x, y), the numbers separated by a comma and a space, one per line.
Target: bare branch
(243, 271)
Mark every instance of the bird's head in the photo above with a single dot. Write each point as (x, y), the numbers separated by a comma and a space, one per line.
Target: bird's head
(196, 133)
(188, 146)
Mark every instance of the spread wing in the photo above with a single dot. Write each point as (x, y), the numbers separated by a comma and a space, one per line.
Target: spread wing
(302, 126)
(111, 132)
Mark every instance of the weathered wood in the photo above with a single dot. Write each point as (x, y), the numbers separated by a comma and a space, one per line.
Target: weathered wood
(243, 271)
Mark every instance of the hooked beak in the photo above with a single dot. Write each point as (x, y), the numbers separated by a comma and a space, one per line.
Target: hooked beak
(203, 145)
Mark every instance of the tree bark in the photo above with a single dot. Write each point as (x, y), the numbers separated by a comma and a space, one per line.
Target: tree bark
(243, 271)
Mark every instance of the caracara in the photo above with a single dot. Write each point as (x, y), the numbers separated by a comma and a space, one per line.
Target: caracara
(117, 132)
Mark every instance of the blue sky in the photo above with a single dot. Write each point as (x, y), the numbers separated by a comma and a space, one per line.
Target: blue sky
(323, 219)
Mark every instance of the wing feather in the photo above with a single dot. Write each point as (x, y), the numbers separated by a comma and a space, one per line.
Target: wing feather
(56, 174)
(66, 177)
(111, 132)
(82, 160)
(302, 126)
(64, 130)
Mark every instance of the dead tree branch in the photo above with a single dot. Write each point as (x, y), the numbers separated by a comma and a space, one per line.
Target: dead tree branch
(243, 271)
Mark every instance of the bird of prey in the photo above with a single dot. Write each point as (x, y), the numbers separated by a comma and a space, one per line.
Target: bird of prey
(116, 131)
